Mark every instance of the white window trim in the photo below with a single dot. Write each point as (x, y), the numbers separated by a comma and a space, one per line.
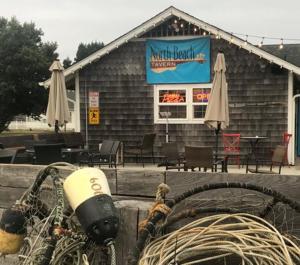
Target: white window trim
(189, 103)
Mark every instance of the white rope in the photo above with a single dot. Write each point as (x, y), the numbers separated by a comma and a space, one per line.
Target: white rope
(251, 238)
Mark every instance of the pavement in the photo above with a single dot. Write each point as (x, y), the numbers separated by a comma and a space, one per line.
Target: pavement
(286, 170)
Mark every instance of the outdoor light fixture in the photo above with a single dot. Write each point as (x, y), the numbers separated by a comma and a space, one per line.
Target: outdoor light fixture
(281, 44)
(261, 43)
(166, 115)
(246, 40)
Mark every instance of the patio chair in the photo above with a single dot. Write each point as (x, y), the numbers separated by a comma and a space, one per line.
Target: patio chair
(285, 142)
(45, 154)
(114, 153)
(201, 157)
(231, 143)
(85, 158)
(276, 160)
(172, 158)
(143, 149)
(103, 157)
(7, 156)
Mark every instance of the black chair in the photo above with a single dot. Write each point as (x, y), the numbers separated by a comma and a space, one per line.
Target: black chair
(172, 159)
(7, 156)
(103, 157)
(45, 154)
(277, 159)
(114, 153)
(85, 158)
(30, 143)
(143, 149)
(201, 157)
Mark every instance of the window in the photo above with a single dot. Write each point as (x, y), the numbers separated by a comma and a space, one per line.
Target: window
(184, 103)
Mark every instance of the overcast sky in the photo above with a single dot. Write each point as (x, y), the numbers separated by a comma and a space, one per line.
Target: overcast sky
(69, 22)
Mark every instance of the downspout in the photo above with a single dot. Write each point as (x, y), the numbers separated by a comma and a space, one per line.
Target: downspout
(291, 119)
(77, 103)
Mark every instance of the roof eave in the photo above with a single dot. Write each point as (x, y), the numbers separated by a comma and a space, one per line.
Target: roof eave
(160, 18)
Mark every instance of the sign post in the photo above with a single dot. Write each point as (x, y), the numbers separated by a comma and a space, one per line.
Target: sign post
(94, 111)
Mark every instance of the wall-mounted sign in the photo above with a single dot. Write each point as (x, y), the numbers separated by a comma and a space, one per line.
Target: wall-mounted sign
(93, 99)
(94, 116)
(200, 95)
(172, 96)
(178, 61)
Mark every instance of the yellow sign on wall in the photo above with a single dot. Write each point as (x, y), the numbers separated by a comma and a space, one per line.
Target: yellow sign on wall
(94, 116)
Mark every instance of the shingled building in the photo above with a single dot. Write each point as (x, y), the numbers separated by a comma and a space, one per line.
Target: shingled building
(119, 94)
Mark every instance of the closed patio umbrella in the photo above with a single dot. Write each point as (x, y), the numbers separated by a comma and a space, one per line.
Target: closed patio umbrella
(58, 113)
(217, 111)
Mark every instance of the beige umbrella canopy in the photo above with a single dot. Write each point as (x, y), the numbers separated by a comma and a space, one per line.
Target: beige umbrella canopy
(217, 111)
(58, 113)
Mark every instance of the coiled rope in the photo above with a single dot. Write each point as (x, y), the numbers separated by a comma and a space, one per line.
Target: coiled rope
(149, 227)
(250, 238)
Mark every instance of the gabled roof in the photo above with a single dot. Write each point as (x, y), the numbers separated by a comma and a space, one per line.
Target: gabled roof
(289, 52)
(159, 19)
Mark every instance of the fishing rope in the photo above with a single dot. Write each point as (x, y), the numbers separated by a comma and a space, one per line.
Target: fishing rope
(149, 228)
(211, 238)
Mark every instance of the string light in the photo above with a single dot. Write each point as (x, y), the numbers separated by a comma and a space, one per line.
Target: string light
(246, 40)
(281, 44)
(261, 43)
(247, 36)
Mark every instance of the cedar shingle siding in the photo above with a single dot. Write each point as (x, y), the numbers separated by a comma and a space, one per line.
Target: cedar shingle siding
(257, 98)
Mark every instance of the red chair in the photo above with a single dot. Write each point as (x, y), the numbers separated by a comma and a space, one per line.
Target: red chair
(231, 143)
(285, 142)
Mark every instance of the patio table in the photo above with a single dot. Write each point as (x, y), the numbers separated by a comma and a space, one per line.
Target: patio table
(71, 154)
(253, 141)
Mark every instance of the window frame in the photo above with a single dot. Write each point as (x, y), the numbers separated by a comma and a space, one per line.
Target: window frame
(189, 103)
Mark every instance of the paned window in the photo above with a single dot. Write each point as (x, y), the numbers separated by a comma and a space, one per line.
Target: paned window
(182, 103)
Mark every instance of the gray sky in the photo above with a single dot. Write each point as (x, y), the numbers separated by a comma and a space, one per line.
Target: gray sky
(69, 22)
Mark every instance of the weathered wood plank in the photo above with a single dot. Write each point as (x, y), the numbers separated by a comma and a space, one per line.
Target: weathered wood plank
(129, 213)
(8, 196)
(138, 182)
(180, 182)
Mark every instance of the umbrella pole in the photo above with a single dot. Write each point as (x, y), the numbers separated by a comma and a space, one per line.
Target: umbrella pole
(217, 141)
(56, 128)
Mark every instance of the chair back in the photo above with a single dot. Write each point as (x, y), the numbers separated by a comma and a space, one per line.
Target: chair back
(7, 156)
(231, 142)
(48, 153)
(279, 154)
(106, 147)
(198, 157)
(30, 143)
(286, 139)
(115, 148)
(148, 141)
(170, 151)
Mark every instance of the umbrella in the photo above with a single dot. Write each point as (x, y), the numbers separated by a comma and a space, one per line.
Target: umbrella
(217, 112)
(58, 113)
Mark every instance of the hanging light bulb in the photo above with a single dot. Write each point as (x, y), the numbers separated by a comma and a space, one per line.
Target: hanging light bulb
(246, 40)
(281, 45)
(204, 33)
(195, 29)
(261, 43)
(181, 25)
(175, 21)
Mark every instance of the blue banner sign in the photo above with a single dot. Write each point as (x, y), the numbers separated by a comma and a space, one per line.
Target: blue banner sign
(178, 61)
